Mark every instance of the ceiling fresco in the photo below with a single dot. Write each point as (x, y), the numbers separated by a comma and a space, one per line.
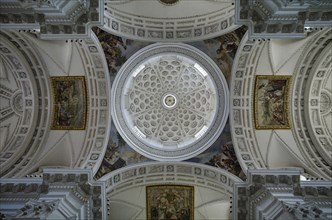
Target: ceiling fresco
(222, 50)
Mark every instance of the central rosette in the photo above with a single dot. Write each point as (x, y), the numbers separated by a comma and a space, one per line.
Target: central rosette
(169, 101)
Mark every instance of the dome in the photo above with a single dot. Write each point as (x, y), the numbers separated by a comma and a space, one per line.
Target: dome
(169, 101)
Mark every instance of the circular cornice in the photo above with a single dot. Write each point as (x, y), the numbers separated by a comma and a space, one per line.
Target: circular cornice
(169, 101)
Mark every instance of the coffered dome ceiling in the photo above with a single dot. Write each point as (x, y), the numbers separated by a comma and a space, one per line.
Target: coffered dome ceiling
(170, 101)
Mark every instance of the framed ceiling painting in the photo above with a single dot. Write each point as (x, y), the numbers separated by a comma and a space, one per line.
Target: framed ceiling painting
(271, 102)
(170, 202)
(69, 103)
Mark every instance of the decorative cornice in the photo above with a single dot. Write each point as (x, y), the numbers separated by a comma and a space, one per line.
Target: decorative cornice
(74, 189)
(54, 19)
(277, 18)
(266, 193)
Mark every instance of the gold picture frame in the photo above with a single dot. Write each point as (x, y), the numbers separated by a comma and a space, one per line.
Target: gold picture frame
(271, 102)
(69, 103)
(170, 202)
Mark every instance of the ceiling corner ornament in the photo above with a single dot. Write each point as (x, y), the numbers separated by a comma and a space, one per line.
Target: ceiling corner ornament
(169, 2)
(53, 19)
(170, 101)
(270, 18)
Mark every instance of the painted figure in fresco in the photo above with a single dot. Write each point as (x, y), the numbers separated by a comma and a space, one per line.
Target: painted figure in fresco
(226, 159)
(68, 103)
(170, 205)
(112, 47)
(227, 50)
(271, 97)
(184, 215)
